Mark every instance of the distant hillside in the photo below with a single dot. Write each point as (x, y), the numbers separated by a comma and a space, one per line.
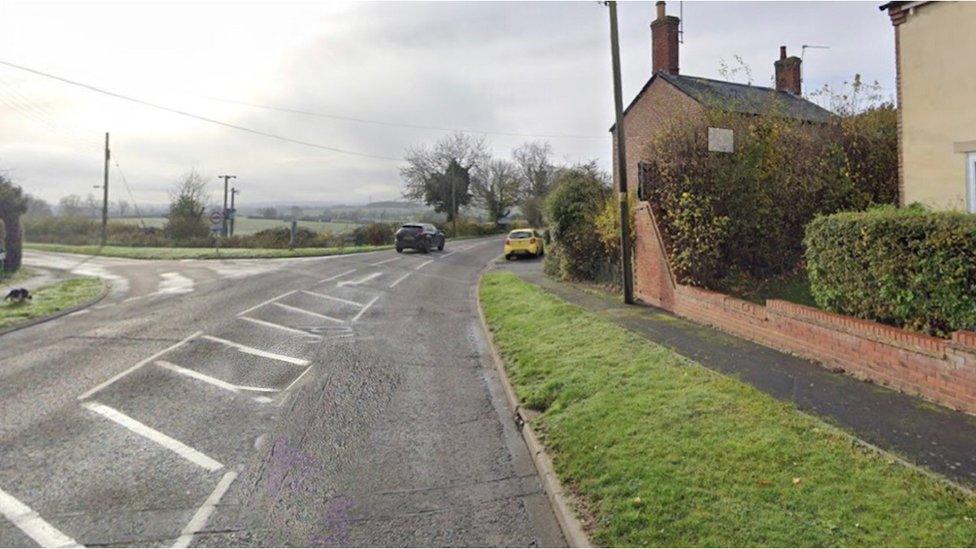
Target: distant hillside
(396, 204)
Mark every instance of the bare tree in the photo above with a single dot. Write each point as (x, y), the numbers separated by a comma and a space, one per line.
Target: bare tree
(497, 190)
(123, 208)
(188, 202)
(535, 168)
(93, 207)
(70, 206)
(37, 207)
(439, 175)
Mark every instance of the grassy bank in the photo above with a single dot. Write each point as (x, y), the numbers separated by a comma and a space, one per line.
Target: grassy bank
(49, 300)
(664, 452)
(200, 253)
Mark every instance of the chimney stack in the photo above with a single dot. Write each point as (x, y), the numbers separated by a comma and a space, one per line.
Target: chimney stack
(787, 73)
(664, 41)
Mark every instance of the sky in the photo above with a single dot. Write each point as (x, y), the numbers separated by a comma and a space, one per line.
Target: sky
(518, 71)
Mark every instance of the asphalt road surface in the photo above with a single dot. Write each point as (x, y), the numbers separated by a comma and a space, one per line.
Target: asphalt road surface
(320, 401)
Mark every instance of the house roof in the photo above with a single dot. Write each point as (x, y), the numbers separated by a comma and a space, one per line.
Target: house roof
(743, 98)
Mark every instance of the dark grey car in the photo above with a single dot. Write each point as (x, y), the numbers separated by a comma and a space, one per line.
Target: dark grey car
(419, 236)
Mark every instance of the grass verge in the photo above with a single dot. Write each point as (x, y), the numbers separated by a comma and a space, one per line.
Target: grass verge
(49, 300)
(664, 452)
(22, 274)
(200, 253)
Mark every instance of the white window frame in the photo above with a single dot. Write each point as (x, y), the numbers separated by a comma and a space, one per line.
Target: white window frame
(971, 181)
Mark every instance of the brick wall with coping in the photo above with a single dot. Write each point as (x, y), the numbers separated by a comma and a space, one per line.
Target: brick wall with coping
(941, 370)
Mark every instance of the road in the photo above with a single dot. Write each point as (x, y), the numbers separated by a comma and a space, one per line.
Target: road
(317, 401)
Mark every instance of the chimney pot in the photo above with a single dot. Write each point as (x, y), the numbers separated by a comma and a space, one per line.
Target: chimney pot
(782, 52)
(664, 41)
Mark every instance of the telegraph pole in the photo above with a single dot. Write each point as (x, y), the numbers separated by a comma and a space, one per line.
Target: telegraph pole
(226, 178)
(233, 209)
(105, 195)
(621, 161)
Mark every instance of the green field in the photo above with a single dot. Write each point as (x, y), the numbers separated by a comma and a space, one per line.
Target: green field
(663, 452)
(129, 252)
(250, 225)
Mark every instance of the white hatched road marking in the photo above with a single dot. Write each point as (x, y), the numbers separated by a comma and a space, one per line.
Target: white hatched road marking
(363, 310)
(399, 280)
(267, 324)
(140, 364)
(333, 298)
(263, 303)
(211, 380)
(194, 456)
(378, 263)
(300, 376)
(362, 280)
(310, 313)
(258, 352)
(175, 283)
(340, 275)
(30, 523)
(200, 518)
(424, 264)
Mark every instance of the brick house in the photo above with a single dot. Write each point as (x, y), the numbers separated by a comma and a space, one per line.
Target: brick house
(934, 47)
(668, 94)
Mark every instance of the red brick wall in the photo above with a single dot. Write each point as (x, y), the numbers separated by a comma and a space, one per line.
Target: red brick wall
(942, 370)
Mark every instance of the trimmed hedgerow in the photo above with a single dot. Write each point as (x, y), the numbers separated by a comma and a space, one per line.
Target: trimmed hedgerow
(906, 267)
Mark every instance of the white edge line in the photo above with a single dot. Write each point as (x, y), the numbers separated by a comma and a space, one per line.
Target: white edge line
(333, 298)
(194, 456)
(378, 263)
(30, 523)
(300, 376)
(340, 275)
(258, 352)
(138, 365)
(363, 310)
(307, 312)
(399, 280)
(424, 264)
(263, 303)
(267, 324)
(200, 518)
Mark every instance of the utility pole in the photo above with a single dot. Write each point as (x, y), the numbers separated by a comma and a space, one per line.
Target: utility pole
(105, 195)
(233, 210)
(454, 211)
(621, 161)
(226, 178)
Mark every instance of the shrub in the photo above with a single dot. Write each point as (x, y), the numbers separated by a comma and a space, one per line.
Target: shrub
(374, 233)
(572, 208)
(909, 268)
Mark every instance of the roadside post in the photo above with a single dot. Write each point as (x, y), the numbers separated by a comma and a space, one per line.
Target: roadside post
(294, 229)
(216, 227)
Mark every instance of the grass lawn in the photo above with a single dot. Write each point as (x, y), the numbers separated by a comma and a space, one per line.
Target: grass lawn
(663, 452)
(22, 274)
(200, 253)
(49, 300)
(249, 225)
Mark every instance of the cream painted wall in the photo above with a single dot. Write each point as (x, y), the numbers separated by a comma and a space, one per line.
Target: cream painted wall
(937, 62)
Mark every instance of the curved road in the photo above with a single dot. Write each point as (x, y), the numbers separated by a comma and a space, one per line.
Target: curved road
(325, 401)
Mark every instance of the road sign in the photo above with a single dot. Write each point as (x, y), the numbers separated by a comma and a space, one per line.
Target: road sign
(216, 221)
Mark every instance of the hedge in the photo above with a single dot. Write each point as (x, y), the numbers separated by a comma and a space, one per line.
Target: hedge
(909, 268)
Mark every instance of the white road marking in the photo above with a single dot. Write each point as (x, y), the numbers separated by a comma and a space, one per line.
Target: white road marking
(140, 364)
(211, 380)
(175, 283)
(258, 352)
(333, 298)
(378, 263)
(30, 523)
(399, 280)
(81, 312)
(424, 264)
(200, 518)
(300, 376)
(340, 275)
(263, 399)
(267, 324)
(263, 303)
(164, 440)
(363, 310)
(310, 313)
(362, 280)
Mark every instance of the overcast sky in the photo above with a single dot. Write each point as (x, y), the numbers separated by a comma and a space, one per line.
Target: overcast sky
(509, 68)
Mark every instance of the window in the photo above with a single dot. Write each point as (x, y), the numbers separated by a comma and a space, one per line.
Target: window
(971, 181)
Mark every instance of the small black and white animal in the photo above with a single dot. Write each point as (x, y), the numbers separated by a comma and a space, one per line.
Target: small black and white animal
(18, 295)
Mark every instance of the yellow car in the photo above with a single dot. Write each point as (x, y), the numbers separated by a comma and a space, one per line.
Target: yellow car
(524, 242)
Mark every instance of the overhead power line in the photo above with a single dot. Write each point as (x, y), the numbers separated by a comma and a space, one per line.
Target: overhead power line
(195, 116)
(292, 110)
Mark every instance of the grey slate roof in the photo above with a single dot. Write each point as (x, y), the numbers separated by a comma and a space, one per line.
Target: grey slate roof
(742, 98)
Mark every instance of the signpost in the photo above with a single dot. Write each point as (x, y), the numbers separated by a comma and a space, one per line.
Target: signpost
(216, 221)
